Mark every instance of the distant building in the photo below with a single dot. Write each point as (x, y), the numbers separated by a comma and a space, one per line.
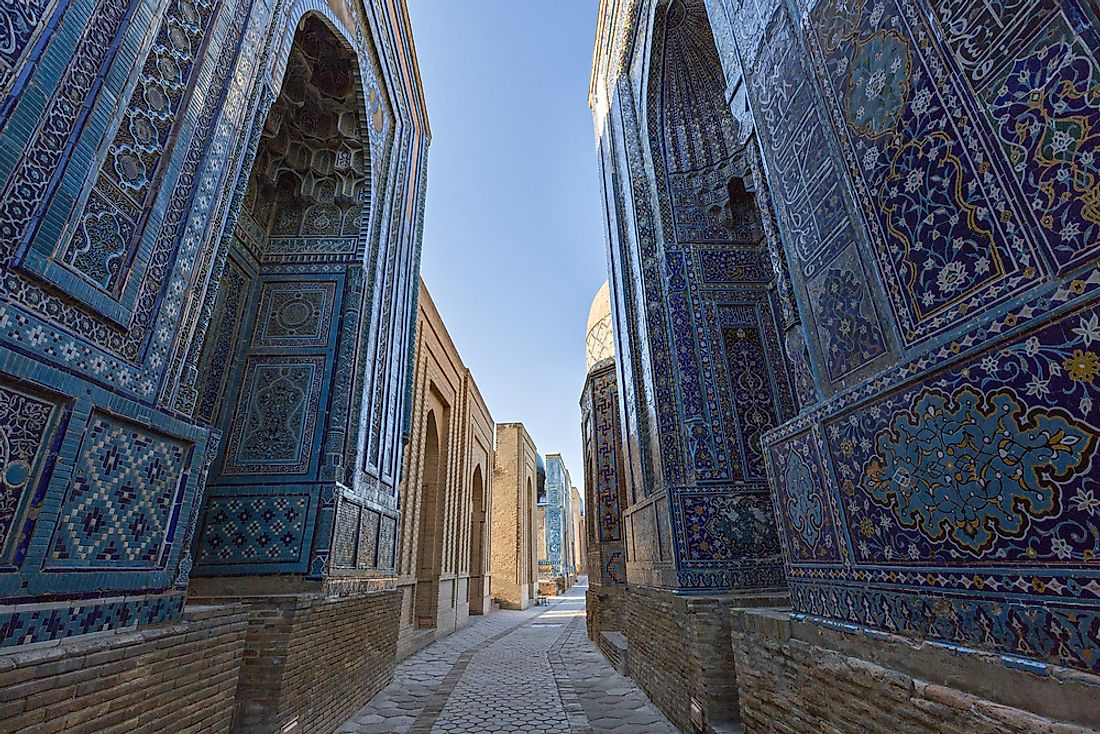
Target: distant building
(513, 521)
(557, 564)
(578, 535)
(605, 486)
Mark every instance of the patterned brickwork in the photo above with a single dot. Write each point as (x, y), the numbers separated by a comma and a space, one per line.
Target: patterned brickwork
(604, 485)
(122, 508)
(446, 494)
(251, 530)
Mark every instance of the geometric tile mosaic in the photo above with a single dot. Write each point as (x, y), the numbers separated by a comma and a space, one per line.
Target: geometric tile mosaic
(614, 568)
(122, 505)
(57, 622)
(254, 529)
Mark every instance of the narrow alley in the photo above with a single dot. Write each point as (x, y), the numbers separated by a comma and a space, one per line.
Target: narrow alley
(496, 367)
(512, 672)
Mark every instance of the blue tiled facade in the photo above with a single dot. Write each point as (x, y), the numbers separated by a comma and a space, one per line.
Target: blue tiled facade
(195, 375)
(919, 390)
(604, 480)
(556, 508)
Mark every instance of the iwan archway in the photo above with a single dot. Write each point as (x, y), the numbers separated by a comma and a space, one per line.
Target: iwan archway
(277, 369)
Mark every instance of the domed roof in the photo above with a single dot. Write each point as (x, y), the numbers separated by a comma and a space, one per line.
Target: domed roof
(599, 341)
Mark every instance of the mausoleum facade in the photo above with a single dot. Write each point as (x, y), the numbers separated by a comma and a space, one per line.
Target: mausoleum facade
(210, 219)
(852, 254)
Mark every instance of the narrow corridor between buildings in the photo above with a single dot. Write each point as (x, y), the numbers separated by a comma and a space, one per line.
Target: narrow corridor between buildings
(512, 672)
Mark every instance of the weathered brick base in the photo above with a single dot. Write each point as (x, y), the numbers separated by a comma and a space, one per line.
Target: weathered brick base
(178, 677)
(796, 677)
(679, 649)
(311, 661)
(604, 609)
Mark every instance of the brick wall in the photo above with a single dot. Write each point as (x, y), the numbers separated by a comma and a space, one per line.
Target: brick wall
(604, 609)
(679, 649)
(313, 661)
(796, 677)
(178, 677)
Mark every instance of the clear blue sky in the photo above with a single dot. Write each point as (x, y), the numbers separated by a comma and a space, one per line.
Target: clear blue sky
(513, 237)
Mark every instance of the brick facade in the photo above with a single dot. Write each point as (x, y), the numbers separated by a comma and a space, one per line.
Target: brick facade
(446, 491)
(514, 521)
(605, 609)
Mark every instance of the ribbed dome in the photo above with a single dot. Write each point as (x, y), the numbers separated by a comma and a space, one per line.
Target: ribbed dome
(599, 339)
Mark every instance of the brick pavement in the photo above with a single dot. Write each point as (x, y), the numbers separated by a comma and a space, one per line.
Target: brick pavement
(510, 672)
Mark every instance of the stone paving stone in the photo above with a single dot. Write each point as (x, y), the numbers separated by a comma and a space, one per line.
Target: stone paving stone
(529, 672)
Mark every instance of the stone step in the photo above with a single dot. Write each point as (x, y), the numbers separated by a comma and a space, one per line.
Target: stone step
(613, 646)
(725, 728)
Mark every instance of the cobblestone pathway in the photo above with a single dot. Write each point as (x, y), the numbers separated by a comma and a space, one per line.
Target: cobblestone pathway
(512, 673)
